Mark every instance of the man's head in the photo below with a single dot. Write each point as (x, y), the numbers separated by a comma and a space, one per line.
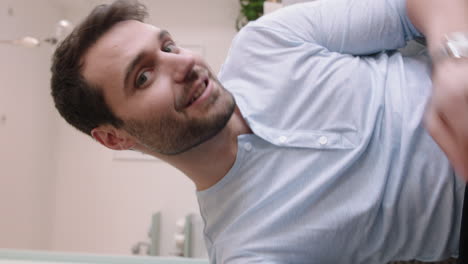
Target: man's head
(128, 84)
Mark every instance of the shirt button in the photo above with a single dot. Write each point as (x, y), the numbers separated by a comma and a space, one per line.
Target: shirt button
(323, 140)
(283, 139)
(248, 146)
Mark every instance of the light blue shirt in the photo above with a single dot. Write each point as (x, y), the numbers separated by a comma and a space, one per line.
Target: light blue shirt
(340, 168)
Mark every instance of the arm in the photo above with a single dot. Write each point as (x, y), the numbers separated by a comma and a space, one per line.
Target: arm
(447, 111)
(357, 27)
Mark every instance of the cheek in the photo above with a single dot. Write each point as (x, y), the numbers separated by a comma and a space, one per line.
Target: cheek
(152, 102)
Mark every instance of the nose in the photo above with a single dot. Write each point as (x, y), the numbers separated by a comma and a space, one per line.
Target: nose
(183, 66)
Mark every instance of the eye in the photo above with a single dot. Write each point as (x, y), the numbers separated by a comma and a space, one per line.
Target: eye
(143, 78)
(170, 47)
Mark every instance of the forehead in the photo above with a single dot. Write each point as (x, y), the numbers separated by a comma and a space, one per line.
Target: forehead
(114, 49)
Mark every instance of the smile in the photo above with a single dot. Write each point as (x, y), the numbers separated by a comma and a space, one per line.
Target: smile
(203, 87)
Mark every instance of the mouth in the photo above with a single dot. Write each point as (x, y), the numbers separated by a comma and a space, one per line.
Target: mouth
(198, 90)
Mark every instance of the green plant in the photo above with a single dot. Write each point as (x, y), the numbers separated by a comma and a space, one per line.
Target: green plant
(250, 10)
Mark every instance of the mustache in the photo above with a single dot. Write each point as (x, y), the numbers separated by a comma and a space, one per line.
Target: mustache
(193, 75)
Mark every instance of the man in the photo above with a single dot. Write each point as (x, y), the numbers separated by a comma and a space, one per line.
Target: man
(307, 149)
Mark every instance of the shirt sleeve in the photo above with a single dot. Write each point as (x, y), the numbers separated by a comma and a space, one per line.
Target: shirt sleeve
(357, 27)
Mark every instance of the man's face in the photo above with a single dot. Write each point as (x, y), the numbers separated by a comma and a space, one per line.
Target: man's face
(168, 98)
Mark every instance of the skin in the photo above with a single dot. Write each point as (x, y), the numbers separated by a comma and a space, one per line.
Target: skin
(447, 111)
(156, 96)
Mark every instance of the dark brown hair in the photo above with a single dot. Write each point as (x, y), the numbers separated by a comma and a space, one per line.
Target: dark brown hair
(82, 104)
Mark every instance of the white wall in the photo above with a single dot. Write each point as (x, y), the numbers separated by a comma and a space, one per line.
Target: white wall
(103, 205)
(27, 136)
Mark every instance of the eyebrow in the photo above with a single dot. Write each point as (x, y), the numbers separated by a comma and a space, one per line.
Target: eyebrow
(137, 60)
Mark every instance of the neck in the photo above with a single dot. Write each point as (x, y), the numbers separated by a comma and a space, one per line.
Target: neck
(207, 163)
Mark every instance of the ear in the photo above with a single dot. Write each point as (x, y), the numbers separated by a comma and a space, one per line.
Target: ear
(113, 138)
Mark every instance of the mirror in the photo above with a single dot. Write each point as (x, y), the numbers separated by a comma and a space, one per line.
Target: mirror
(60, 190)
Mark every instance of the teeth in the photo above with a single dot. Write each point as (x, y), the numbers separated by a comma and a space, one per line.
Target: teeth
(198, 93)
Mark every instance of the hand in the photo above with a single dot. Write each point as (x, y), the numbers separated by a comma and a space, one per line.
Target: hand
(447, 112)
